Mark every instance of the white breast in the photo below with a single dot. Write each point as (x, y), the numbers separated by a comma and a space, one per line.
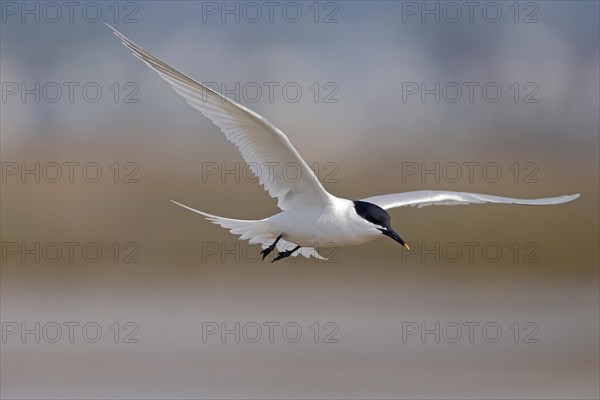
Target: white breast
(337, 224)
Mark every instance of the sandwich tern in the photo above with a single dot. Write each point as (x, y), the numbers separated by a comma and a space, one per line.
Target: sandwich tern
(310, 216)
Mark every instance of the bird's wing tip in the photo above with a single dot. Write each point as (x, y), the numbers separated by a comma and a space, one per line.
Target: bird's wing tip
(571, 197)
(566, 198)
(115, 31)
(182, 205)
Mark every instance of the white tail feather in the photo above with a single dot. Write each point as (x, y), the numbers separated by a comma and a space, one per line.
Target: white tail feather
(255, 232)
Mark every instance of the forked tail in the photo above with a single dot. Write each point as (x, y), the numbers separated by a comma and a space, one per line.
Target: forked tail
(255, 232)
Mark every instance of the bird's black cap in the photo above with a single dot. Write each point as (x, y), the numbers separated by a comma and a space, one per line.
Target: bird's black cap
(378, 216)
(372, 213)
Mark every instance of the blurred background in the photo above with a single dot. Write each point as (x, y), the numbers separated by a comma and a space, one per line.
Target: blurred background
(108, 290)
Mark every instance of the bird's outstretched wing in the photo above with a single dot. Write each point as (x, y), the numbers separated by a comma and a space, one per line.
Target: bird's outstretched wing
(423, 198)
(265, 148)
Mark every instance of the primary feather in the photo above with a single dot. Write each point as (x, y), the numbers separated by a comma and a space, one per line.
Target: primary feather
(264, 147)
(423, 198)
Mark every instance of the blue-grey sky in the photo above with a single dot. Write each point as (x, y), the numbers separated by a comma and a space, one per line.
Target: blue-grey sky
(369, 50)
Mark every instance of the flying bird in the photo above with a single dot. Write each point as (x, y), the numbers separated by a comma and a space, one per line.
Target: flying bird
(310, 216)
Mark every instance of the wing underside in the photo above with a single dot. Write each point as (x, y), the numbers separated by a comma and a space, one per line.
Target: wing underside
(423, 198)
(268, 152)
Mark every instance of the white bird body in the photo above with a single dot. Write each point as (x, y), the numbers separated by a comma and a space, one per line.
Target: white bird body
(311, 227)
(311, 217)
(335, 224)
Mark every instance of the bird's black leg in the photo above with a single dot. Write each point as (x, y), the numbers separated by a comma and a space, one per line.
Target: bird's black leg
(285, 254)
(269, 249)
